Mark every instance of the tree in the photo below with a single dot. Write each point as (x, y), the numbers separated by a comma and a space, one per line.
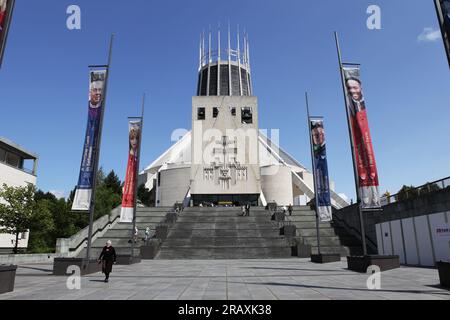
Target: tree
(113, 183)
(406, 193)
(144, 195)
(17, 213)
(41, 227)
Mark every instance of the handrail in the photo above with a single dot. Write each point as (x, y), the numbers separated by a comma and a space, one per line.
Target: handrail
(358, 232)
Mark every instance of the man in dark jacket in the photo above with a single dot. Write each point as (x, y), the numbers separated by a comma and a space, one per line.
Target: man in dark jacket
(107, 259)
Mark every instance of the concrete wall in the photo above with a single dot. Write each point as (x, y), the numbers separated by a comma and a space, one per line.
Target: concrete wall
(14, 177)
(173, 185)
(437, 202)
(18, 259)
(72, 246)
(418, 241)
(225, 124)
(276, 182)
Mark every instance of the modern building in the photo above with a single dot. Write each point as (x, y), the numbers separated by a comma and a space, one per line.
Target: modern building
(18, 167)
(225, 159)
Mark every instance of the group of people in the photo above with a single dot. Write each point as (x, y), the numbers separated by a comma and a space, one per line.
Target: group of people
(289, 209)
(136, 233)
(246, 210)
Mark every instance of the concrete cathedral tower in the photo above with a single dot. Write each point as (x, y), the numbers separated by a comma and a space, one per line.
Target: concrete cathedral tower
(226, 159)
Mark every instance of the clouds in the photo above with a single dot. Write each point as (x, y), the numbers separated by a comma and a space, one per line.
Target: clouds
(429, 35)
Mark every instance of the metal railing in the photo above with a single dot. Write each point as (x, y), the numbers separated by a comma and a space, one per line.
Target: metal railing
(413, 193)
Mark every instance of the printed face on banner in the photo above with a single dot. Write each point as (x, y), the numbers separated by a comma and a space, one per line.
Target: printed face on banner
(355, 94)
(129, 188)
(3, 22)
(363, 147)
(96, 89)
(321, 176)
(87, 174)
(446, 12)
(134, 138)
(3, 4)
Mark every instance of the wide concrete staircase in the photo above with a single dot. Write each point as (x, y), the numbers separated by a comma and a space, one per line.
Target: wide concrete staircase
(220, 233)
(333, 237)
(120, 233)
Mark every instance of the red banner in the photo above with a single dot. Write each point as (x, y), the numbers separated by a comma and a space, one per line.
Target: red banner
(363, 148)
(6, 7)
(129, 189)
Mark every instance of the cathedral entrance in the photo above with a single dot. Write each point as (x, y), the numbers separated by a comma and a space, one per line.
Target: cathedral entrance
(225, 200)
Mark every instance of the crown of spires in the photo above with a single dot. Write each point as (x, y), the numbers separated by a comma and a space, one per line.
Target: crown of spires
(210, 55)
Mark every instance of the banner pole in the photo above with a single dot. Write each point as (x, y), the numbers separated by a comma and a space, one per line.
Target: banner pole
(316, 200)
(352, 144)
(97, 155)
(136, 179)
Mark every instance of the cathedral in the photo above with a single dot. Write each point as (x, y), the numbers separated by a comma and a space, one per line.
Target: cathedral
(226, 160)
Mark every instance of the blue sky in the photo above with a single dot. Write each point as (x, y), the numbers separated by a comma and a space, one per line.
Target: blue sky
(44, 80)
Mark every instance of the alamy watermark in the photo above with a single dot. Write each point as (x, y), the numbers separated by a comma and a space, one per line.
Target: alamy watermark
(374, 280)
(374, 20)
(73, 21)
(74, 280)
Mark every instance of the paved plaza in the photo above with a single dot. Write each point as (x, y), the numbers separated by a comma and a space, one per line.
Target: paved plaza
(288, 279)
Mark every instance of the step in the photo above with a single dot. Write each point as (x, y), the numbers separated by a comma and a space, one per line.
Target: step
(224, 242)
(343, 251)
(148, 219)
(311, 225)
(233, 219)
(328, 232)
(224, 253)
(186, 233)
(95, 252)
(300, 219)
(224, 214)
(120, 233)
(325, 241)
(223, 225)
(139, 225)
(117, 242)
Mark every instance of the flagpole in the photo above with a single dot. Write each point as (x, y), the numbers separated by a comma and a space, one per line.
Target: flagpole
(316, 199)
(352, 144)
(136, 177)
(97, 155)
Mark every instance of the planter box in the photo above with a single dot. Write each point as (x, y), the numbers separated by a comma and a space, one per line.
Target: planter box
(361, 263)
(7, 278)
(60, 266)
(444, 273)
(301, 251)
(325, 258)
(150, 250)
(127, 260)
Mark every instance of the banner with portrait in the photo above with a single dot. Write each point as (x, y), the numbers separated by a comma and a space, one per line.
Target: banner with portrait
(320, 170)
(6, 8)
(129, 189)
(87, 175)
(443, 12)
(362, 142)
